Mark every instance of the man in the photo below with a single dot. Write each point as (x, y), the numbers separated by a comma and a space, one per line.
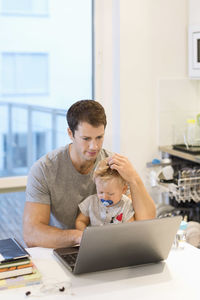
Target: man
(60, 180)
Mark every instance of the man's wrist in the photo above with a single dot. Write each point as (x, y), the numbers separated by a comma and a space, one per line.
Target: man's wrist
(135, 181)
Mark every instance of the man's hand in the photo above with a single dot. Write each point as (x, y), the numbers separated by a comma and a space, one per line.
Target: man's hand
(123, 166)
(77, 236)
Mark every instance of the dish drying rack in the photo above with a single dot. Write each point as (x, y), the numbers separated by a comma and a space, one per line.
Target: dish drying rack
(186, 189)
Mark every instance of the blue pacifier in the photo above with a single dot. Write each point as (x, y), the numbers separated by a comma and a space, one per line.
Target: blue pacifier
(106, 202)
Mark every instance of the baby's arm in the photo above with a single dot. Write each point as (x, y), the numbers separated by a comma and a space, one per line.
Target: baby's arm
(82, 222)
(129, 221)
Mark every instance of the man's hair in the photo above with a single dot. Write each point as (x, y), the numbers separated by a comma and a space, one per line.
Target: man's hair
(89, 111)
(105, 173)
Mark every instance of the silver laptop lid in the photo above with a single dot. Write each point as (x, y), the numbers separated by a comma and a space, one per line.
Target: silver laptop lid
(128, 244)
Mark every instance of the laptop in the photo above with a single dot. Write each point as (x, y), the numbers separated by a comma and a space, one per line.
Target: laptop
(121, 245)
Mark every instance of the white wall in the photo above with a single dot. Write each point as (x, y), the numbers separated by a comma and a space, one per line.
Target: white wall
(154, 84)
(107, 60)
(194, 12)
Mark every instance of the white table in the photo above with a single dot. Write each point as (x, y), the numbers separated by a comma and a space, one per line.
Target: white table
(175, 279)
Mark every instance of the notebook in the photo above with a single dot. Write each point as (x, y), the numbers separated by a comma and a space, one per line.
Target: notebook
(22, 280)
(121, 245)
(11, 249)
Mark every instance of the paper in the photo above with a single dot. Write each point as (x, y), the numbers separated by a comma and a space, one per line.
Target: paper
(1, 257)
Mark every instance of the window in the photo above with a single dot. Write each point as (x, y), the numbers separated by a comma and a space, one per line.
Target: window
(24, 7)
(24, 73)
(46, 64)
(26, 134)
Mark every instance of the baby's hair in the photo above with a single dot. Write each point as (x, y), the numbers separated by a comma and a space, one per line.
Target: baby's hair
(104, 172)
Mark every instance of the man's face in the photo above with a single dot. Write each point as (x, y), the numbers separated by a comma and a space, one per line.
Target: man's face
(111, 189)
(87, 140)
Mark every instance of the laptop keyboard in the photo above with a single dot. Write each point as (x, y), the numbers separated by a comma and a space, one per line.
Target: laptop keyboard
(70, 259)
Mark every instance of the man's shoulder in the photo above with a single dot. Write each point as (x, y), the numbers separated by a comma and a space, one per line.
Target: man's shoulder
(51, 158)
(55, 154)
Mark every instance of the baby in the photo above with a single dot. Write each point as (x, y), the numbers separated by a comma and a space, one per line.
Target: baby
(110, 204)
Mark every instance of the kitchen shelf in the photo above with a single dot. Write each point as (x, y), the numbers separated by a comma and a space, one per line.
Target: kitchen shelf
(180, 154)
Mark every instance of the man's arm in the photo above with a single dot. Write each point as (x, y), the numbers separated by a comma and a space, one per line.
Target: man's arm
(37, 232)
(143, 204)
(82, 222)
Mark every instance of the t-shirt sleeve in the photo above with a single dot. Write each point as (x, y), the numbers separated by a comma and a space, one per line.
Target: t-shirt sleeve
(37, 188)
(84, 206)
(128, 210)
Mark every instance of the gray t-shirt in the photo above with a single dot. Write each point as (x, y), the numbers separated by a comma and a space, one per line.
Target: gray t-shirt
(54, 180)
(100, 215)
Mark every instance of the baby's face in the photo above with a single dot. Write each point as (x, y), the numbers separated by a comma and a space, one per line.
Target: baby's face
(111, 189)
